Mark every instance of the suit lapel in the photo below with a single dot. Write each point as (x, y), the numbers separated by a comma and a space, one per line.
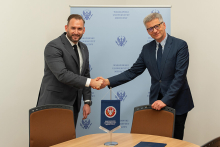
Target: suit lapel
(153, 58)
(166, 52)
(68, 47)
(83, 56)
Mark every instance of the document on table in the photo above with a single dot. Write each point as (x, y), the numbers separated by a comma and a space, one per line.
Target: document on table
(150, 144)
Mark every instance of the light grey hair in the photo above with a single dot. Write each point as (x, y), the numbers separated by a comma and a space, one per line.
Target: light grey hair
(151, 17)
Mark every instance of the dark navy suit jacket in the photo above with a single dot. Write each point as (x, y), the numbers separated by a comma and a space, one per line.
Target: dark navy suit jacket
(172, 80)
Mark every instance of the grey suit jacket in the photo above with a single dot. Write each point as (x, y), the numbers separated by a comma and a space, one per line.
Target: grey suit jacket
(62, 79)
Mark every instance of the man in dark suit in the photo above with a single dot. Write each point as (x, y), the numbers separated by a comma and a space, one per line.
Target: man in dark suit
(67, 74)
(167, 60)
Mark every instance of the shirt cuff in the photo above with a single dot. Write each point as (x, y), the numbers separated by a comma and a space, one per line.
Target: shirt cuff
(88, 82)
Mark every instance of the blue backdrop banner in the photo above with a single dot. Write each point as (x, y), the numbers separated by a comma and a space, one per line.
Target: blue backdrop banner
(115, 37)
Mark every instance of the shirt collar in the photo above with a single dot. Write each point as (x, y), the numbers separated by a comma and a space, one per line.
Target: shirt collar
(163, 42)
(72, 44)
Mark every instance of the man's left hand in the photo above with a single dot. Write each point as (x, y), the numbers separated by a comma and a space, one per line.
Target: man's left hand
(86, 111)
(158, 105)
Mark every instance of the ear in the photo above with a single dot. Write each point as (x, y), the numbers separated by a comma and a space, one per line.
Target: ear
(66, 27)
(164, 25)
(84, 29)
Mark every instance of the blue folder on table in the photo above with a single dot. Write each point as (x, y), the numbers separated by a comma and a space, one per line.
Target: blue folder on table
(150, 144)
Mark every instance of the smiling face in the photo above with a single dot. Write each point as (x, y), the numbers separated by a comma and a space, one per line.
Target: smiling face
(75, 30)
(157, 34)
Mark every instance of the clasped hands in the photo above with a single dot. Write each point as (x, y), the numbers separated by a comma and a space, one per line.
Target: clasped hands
(99, 83)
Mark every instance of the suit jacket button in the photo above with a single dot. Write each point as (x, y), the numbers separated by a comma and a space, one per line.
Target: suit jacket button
(160, 81)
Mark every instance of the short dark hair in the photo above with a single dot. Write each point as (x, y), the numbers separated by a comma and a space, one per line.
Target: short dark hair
(76, 16)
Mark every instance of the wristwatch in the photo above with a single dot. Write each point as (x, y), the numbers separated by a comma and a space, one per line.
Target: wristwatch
(89, 102)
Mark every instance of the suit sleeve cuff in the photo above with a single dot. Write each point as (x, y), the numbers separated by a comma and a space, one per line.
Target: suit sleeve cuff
(88, 82)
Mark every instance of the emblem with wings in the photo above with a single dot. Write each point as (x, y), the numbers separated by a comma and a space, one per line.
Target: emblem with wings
(87, 14)
(121, 41)
(121, 95)
(110, 111)
(85, 123)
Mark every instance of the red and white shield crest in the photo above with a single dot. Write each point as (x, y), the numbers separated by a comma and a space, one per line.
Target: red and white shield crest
(110, 111)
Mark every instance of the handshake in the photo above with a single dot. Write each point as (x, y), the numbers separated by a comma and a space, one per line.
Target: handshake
(99, 83)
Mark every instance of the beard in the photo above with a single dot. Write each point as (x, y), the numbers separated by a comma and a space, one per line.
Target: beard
(73, 40)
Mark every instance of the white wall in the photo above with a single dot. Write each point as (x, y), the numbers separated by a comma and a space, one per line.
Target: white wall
(27, 26)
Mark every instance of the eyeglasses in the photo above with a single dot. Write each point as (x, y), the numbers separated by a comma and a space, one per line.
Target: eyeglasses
(156, 27)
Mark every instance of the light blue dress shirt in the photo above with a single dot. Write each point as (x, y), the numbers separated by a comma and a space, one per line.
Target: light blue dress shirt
(163, 42)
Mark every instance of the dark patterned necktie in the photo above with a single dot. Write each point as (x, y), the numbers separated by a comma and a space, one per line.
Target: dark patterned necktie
(76, 51)
(159, 57)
